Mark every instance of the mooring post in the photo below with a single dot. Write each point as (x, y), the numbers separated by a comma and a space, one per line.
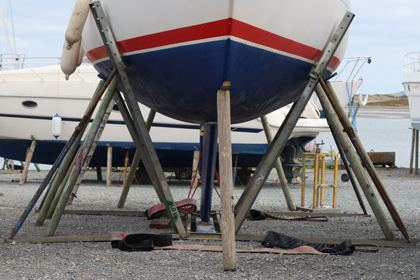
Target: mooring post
(226, 180)
(370, 168)
(134, 164)
(279, 167)
(355, 163)
(267, 162)
(28, 159)
(83, 151)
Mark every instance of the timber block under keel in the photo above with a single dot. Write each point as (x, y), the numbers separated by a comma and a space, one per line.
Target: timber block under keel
(160, 223)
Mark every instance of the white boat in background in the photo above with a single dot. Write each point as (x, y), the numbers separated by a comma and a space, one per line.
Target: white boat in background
(346, 85)
(31, 96)
(411, 85)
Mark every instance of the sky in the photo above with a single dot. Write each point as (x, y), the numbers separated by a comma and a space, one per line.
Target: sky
(384, 30)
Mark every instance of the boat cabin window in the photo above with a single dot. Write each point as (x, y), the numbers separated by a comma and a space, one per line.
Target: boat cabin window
(29, 104)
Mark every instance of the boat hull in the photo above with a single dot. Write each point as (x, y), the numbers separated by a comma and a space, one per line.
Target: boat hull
(176, 62)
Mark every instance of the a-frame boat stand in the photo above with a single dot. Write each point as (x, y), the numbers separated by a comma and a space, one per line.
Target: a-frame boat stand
(61, 187)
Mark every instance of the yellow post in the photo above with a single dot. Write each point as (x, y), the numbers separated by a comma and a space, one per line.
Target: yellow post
(321, 200)
(316, 180)
(302, 198)
(335, 181)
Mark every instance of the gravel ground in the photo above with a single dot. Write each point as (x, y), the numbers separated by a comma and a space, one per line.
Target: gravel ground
(97, 260)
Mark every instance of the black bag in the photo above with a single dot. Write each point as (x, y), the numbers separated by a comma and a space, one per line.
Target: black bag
(142, 242)
(278, 240)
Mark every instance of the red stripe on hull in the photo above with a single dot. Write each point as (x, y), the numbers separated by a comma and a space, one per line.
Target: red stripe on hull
(214, 29)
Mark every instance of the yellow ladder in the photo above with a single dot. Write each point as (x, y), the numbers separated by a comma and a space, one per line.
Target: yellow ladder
(319, 178)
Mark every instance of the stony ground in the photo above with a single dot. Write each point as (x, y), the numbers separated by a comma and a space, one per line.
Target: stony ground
(97, 260)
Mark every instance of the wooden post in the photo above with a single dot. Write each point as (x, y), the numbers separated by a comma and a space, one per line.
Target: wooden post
(68, 153)
(337, 129)
(28, 159)
(413, 141)
(417, 153)
(226, 183)
(109, 167)
(134, 164)
(58, 194)
(84, 149)
(91, 151)
(370, 168)
(279, 167)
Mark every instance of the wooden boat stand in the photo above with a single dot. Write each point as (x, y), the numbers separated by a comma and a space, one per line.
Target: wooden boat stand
(232, 217)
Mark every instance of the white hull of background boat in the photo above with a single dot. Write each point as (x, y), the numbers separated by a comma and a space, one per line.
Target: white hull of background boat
(29, 98)
(411, 85)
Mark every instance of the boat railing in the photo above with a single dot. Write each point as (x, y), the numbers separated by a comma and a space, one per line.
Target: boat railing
(351, 67)
(412, 63)
(33, 64)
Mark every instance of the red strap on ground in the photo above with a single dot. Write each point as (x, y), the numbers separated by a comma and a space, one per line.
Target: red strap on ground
(186, 206)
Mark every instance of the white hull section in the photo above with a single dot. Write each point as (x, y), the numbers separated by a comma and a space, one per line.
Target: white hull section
(293, 20)
(411, 85)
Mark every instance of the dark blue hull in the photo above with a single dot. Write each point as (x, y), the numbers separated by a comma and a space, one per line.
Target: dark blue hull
(182, 82)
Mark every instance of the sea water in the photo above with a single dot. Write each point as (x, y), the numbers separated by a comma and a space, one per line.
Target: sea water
(382, 133)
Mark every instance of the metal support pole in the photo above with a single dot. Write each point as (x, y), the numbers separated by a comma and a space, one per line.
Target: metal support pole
(84, 149)
(279, 168)
(226, 180)
(134, 164)
(365, 158)
(208, 167)
(260, 176)
(357, 167)
(28, 159)
(141, 138)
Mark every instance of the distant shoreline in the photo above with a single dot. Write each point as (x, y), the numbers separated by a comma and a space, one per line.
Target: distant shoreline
(385, 112)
